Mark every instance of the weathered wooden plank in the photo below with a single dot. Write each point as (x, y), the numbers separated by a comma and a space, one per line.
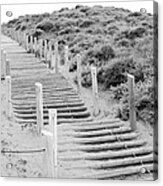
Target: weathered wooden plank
(8, 96)
(79, 72)
(132, 114)
(39, 107)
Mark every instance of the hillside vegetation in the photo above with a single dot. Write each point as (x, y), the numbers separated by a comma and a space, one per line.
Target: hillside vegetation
(115, 40)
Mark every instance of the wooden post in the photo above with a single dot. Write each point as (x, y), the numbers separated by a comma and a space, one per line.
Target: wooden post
(40, 48)
(7, 67)
(45, 49)
(3, 64)
(132, 114)
(27, 43)
(50, 155)
(53, 127)
(17, 36)
(8, 96)
(20, 37)
(31, 44)
(24, 40)
(95, 89)
(66, 58)
(79, 72)
(35, 46)
(39, 107)
(52, 63)
(94, 81)
(56, 56)
(49, 55)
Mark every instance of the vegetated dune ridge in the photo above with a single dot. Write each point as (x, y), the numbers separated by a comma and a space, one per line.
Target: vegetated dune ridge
(116, 40)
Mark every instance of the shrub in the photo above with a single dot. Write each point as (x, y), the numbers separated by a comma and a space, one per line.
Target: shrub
(45, 25)
(145, 102)
(136, 32)
(99, 54)
(86, 23)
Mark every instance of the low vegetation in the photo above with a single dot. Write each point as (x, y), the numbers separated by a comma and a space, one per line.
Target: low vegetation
(115, 40)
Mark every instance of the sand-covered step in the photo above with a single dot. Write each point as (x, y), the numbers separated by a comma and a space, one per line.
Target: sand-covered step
(94, 126)
(59, 110)
(33, 91)
(126, 171)
(59, 115)
(59, 120)
(47, 84)
(46, 101)
(28, 68)
(46, 93)
(32, 88)
(47, 76)
(103, 132)
(111, 163)
(102, 147)
(59, 95)
(96, 133)
(101, 122)
(50, 105)
(50, 96)
(106, 155)
(101, 139)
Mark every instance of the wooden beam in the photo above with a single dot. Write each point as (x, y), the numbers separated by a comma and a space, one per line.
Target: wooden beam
(79, 72)
(7, 67)
(53, 127)
(35, 46)
(39, 107)
(41, 48)
(31, 44)
(49, 155)
(27, 43)
(66, 58)
(94, 81)
(49, 55)
(132, 114)
(52, 64)
(8, 97)
(3, 64)
(95, 89)
(24, 40)
(45, 49)
(56, 57)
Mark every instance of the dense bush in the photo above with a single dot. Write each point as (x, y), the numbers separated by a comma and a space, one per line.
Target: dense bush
(45, 25)
(144, 101)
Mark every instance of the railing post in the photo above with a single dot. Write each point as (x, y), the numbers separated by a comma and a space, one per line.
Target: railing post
(31, 44)
(3, 64)
(35, 46)
(49, 55)
(27, 43)
(40, 48)
(45, 49)
(132, 114)
(66, 58)
(79, 72)
(56, 56)
(24, 40)
(8, 97)
(95, 89)
(7, 67)
(53, 127)
(39, 107)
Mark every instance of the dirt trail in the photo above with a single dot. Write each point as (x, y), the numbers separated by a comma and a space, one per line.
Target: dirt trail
(88, 145)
